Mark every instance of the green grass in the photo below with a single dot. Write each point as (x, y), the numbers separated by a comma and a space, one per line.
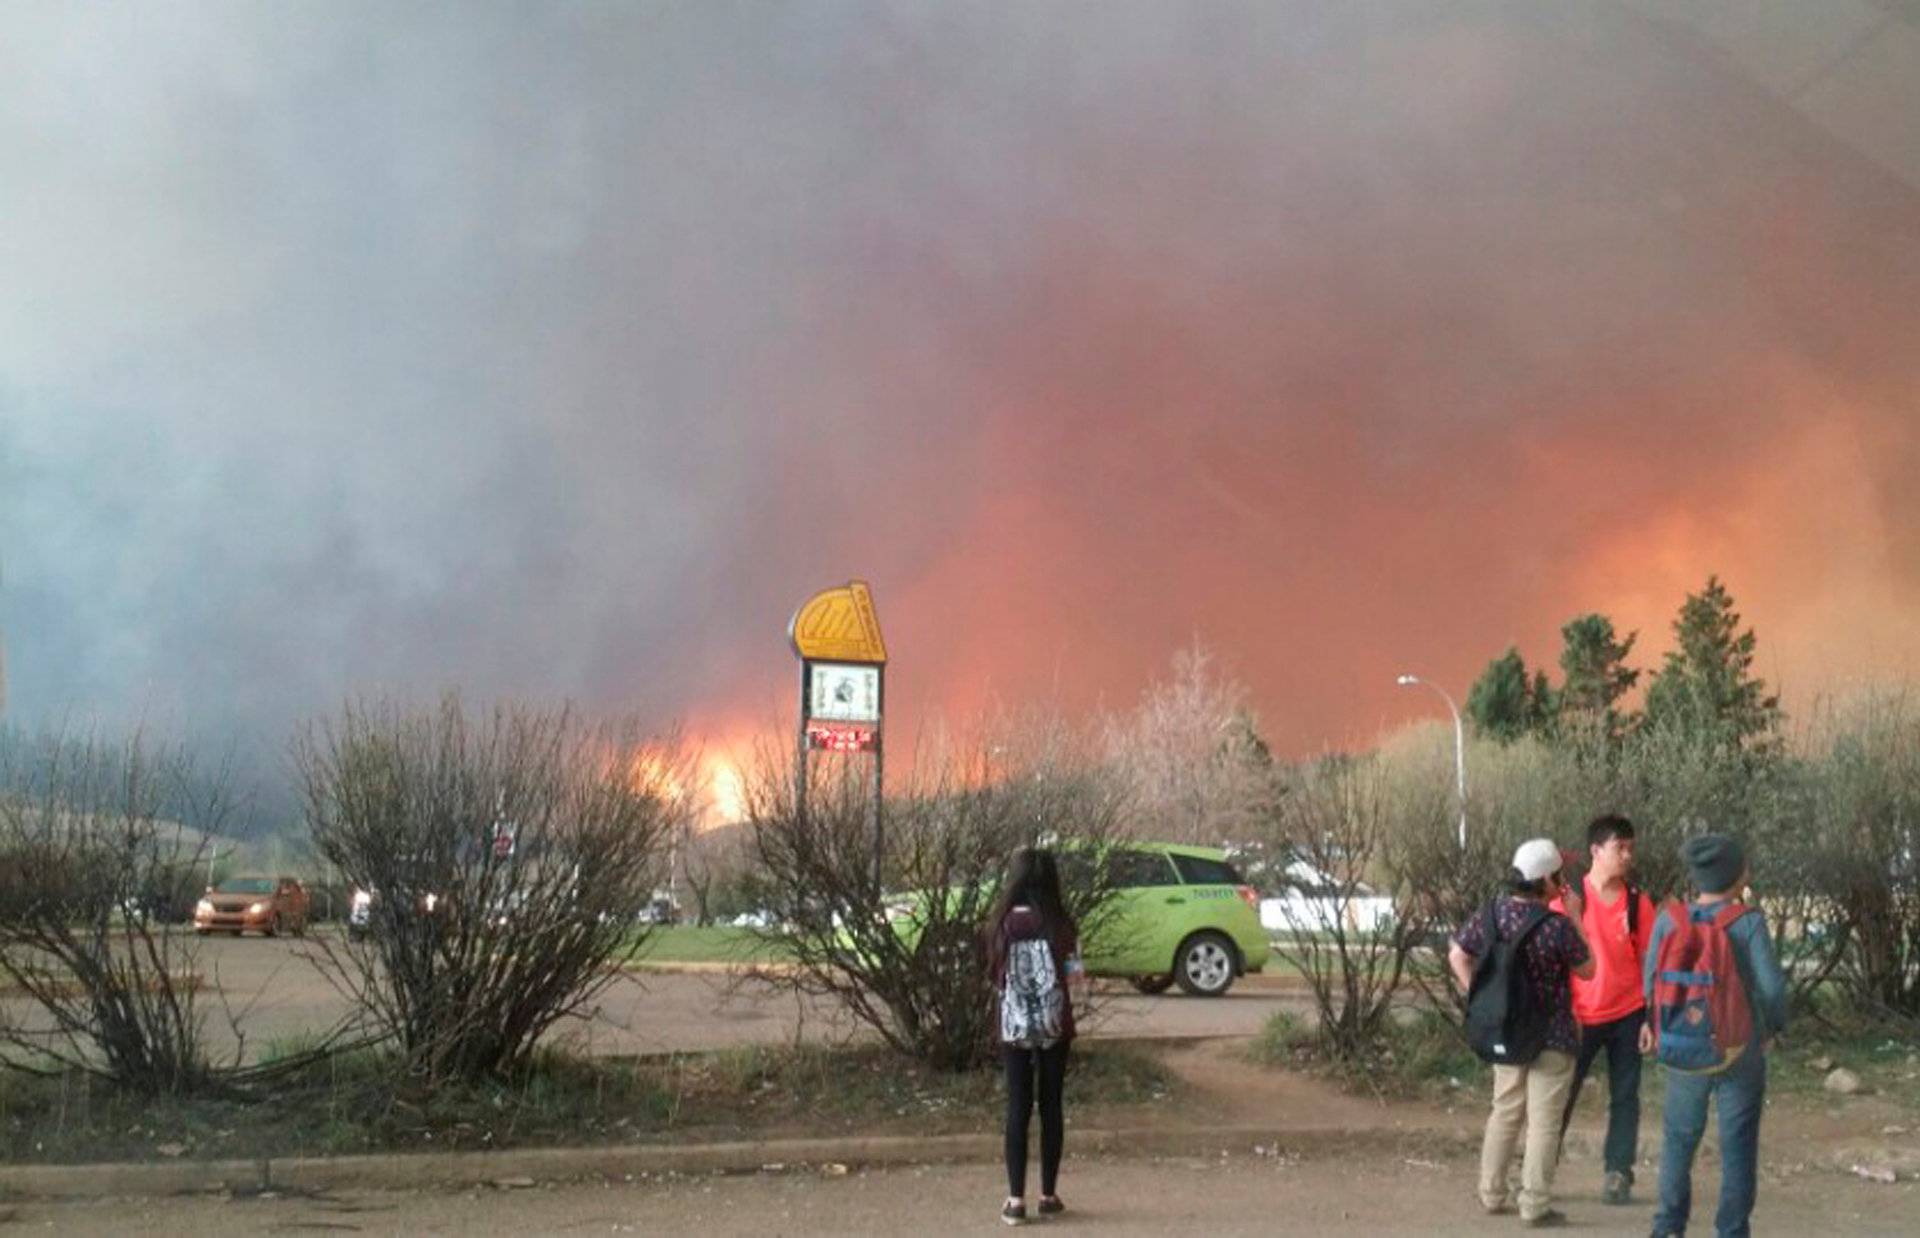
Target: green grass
(361, 1102)
(1418, 1055)
(1886, 1056)
(1423, 1055)
(682, 943)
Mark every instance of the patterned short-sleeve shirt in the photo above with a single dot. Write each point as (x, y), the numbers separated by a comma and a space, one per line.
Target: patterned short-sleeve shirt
(1548, 959)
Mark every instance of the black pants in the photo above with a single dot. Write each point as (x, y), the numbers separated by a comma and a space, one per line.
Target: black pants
(1621, 1041)
(1050, 1068)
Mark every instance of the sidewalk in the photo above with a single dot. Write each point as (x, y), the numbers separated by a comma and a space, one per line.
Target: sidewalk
(1328, 1190)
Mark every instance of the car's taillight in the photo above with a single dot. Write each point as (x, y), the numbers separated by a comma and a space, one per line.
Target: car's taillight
(1249, 896)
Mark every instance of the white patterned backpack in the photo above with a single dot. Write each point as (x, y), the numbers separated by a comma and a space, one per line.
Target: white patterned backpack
(1032, 1003)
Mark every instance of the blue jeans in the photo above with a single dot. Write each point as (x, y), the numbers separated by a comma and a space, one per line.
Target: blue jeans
(1741, 1090)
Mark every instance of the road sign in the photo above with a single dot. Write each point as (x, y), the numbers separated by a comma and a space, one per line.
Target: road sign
(842, 736)
(839, 625)
(843, 692)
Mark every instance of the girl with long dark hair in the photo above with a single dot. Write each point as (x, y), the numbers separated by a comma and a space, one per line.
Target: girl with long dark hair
(1033, 952)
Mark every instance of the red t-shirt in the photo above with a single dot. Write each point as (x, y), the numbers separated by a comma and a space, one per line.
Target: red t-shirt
(1614, 992)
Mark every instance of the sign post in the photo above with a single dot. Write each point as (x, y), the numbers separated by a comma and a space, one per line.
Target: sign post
(843, 662)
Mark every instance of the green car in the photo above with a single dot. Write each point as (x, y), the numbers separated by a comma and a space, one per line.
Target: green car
(1178, 915)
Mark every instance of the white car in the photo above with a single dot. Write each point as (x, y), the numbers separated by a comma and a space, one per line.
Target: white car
(1310, 903)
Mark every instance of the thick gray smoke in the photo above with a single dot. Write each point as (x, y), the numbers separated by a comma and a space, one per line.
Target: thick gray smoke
(562, 350)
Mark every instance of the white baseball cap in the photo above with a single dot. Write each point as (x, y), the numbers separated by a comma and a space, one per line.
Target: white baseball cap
(1537, 858)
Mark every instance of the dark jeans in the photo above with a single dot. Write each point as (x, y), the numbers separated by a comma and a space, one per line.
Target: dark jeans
(1741, 1090)
(1620, 1040)
(1024, 1066)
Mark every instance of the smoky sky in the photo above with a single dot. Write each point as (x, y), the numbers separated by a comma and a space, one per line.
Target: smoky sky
(562, 350)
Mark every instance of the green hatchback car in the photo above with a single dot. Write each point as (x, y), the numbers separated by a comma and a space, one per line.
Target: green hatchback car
(1179, 915)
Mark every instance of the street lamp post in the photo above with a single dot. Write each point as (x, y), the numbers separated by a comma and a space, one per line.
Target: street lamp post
(1459, 746)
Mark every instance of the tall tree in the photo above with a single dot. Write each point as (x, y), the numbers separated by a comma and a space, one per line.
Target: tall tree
(1707, 687)
(1193, 757)
(1594, 663)
(1504, 703)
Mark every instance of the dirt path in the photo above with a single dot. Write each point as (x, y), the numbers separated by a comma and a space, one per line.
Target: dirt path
(1236, 1194)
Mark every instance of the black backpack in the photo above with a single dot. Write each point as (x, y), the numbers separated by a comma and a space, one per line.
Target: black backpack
(1506, 1023)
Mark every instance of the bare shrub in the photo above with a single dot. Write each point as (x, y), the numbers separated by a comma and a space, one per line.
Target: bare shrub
(474, 953)
(1192, 759)
(1353, 835)
(93, 833)
(906, 956)
(1858, 853)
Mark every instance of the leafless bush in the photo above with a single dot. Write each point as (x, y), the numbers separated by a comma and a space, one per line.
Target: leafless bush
(1192, 759)
(906, 956)
(86, 853)
(1857, 853)
(473, 952)
(1350, 892)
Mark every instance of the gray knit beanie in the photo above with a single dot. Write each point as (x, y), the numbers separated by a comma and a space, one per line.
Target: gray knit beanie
(1714, 861)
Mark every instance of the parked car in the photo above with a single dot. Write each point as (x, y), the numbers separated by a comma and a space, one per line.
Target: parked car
(1179, 915)
(269, 905)
(1309, 902)
(660, 909)
(360, 912)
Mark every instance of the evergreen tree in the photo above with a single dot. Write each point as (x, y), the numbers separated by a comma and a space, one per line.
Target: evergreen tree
(1504, 703)
(1707, 688)
(1594, 664)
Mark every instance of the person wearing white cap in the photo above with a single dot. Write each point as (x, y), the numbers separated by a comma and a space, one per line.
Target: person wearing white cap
(1531, 1093)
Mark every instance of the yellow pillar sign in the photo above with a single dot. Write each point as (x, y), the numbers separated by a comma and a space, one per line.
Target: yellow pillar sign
(838, 625)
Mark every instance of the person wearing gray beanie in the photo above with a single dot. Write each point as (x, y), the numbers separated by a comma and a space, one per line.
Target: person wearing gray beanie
(1715, 862)
(1717, 867)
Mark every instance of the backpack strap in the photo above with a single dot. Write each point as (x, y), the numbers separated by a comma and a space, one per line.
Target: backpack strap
(1536, 916)
(1633, 915)
(1729, 912)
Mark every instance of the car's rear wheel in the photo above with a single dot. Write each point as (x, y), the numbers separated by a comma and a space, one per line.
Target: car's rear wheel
(1205, 965)
(1154, 984)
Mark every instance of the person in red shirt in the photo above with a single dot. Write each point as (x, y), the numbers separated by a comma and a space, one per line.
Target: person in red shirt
(1610, 1005)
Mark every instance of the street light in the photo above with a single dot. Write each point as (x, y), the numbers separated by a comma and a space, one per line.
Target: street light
(1459, 747)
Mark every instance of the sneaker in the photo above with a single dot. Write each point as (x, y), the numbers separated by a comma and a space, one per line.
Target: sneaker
(1014, 1213)
(1050, 1206)
(1503, 1208)
(1618, 1189)
(1552, 1218)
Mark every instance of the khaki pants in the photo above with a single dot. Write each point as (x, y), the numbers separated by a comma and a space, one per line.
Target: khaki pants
(1530, 1096)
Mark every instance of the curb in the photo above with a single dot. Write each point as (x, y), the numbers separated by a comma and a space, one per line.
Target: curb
(528, 1167)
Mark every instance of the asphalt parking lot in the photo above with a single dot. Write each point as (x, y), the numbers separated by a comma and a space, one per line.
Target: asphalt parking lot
(274, 992)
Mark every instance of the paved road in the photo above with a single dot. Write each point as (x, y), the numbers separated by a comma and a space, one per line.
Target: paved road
(1383, 1194)
(279, 994)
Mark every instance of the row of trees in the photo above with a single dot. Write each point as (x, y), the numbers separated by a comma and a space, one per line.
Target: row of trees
(1705, 689)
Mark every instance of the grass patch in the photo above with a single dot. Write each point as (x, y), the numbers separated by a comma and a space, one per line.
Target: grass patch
(1885, 1054)
(714, 943)
(1418, 1055)
(1423, 1056)
(360, 1102)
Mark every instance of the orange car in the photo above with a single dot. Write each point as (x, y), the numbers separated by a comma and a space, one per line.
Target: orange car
(270, 905)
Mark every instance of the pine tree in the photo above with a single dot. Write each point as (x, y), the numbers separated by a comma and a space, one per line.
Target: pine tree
(1594, 664)
(1707, 688)
(1504, 703)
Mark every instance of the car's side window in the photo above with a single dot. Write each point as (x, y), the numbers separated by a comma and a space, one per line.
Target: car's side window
(1199, 871)
(1141, 868)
